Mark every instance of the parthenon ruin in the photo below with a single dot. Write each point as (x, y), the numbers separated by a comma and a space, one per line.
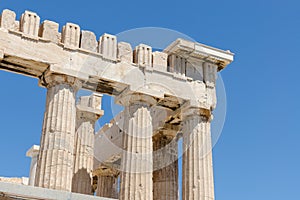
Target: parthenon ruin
(166, 95)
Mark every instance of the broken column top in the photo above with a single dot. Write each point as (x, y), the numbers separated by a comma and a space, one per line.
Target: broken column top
(33, 151)
(91, 104)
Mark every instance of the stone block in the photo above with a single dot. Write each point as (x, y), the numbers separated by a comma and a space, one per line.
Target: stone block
(194, 70)
(177, 64)
(108, 46)
(17, 26)
(49, 30)
(71, 35)
(125, 52)
(95, 101)
(29, 23)
(1, 54)
(7, 19)
(180, 47)
(211, 97)
(142, 55)
(88, 41)
(210, 74)
(84, 101)
(33, 151)
(160, 61)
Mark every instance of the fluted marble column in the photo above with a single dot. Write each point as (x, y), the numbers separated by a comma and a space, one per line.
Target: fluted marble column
(55, 163)
(165, 174)
(87, 115)
(107, 186)
(136, 176)
(33, 152)
(198, 182)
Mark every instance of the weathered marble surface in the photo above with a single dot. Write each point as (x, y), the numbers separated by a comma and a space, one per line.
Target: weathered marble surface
(137, 159)
(33, 152)
(23, 180)
(197, 180)
(88, 112)
(165, 174)
(56, 160)
(182, 76)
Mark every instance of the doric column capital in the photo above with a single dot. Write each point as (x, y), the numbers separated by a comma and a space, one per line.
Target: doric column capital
(89, 115)
(165, 135)
(128, 98)
(33, 151)
(104, 170)
(48, 80)
(188, 111)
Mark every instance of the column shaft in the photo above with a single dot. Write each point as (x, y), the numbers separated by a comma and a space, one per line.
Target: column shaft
(107, 187)
(88, 112)
(165, 176)
(55, 164)
(136, 177)
(33, 152)
(84, 156)
(197, 169)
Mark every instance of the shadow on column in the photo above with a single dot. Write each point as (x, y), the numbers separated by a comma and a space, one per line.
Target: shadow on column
(82, 182)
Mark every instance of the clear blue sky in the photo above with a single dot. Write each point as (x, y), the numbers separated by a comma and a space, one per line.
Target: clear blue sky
(257, 155)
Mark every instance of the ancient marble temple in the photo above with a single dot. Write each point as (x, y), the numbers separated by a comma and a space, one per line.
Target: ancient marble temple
(167, 96)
